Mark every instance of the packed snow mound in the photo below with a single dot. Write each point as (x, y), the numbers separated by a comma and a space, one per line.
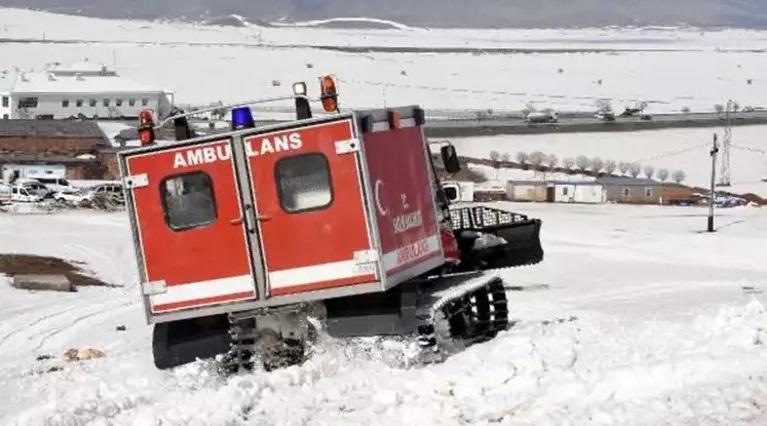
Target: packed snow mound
(579, 370)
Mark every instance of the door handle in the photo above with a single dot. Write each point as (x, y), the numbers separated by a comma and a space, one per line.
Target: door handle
(263, 217)
(237, 221)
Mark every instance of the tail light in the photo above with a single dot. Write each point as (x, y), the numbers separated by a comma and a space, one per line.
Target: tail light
(329, 95)
(146, 136)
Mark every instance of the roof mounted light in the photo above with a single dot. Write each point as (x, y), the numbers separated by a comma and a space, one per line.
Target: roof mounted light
(329, 94)
(299, 88)
(145, 118)
(242, 118)
(146, 134)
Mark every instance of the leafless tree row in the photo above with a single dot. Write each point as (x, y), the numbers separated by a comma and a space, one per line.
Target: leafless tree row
(538, 159)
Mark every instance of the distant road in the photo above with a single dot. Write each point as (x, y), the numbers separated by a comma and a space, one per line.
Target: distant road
(583, 123)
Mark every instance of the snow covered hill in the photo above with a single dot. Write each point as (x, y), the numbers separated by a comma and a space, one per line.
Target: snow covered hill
(452, 70)
(635, 317)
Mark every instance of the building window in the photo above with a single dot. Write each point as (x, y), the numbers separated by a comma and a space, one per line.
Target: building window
(92, 102)
(119, 102)
(564, 190)
(28, 103)
(106, 102)
(6, 101)
(131, 102)
(303, 183)
(648, 192)
(626, 192)
(65, 103)
(188, 201)
(145, 102)
(5, 116)
(79, 103)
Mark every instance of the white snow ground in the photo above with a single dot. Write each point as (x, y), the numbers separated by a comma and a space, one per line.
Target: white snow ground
(634, 317)
(672, 68)
(673, 149)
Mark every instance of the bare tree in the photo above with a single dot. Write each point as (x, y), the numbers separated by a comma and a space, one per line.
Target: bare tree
(597, 164)
(522, 157)
(678, 176)
(685, 110)
(635, 169)
(582, 162)
(663, 175)
(537, 158)
(505, 157)
(529, 108)
(649, 171)
(604, 105)
(568, 163)
(623, 167)
(610, 166)
(495, 157)
(551, 161)
(719, 108)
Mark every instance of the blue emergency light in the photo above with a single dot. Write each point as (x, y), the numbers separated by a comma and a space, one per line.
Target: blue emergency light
(242, 118)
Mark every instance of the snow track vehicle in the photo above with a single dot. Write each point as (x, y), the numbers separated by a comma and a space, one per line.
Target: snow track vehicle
(241, 235)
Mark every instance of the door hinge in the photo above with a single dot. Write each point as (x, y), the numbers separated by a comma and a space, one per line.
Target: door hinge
(365, 256)
(154, 287)
(347, 146)
(136, 181)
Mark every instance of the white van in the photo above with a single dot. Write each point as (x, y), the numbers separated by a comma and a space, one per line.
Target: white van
(56, 184)
(22, 194)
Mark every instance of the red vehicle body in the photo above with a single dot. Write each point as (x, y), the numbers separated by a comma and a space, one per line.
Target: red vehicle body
(238, 233)
(303, 211)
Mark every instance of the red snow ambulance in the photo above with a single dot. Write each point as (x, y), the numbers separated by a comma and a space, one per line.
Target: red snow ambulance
(241, 235)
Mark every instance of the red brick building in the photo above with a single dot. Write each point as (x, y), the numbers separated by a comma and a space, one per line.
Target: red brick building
(80, 146)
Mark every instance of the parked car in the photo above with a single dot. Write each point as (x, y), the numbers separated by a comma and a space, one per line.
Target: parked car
(605, 116)
(34, 186)
(113, 191)
(99, 195)
(57, 184)
(21, 194)
(77, 198)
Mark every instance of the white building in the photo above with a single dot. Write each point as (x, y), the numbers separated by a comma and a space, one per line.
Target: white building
(579, 192)
(84, 90)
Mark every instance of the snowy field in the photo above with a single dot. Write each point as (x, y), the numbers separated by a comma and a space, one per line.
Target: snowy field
(673, 149)
(671, 68)
(634, 317)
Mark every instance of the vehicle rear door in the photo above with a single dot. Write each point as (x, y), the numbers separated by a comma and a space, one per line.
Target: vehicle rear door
(310, 210)
(190, 226)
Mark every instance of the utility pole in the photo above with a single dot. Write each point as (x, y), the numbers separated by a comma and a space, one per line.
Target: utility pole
(714, 151)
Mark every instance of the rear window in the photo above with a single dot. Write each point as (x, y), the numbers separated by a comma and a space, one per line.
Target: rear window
(303, 183)
(188, 201)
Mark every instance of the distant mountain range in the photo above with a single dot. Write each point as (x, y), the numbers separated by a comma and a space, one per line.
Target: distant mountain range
(434, 13)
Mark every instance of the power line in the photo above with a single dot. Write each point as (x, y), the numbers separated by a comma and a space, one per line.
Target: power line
(749, 148)
(673, 153)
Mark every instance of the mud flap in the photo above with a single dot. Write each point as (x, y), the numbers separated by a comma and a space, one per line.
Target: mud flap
(181, 342)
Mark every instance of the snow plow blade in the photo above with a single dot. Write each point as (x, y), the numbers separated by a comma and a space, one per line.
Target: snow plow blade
(493, 238)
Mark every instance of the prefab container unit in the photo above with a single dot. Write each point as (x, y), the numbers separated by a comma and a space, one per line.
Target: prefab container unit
(297, 212)
(579, 192)
(527, 191)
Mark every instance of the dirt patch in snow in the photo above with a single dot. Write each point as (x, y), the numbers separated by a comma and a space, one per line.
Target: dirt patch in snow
(15, 264)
